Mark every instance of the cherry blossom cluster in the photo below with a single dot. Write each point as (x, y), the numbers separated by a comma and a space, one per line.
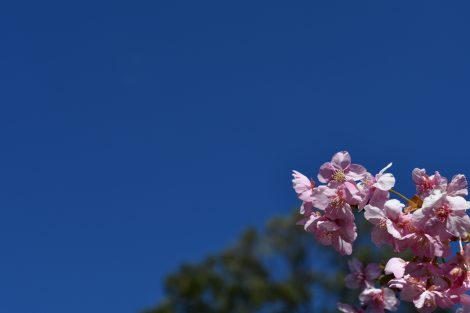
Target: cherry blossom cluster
(425, 224)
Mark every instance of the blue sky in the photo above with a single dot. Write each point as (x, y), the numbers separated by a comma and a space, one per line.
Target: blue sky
(137, 135)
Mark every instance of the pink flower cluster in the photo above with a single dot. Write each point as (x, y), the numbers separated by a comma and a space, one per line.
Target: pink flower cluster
(426, 224)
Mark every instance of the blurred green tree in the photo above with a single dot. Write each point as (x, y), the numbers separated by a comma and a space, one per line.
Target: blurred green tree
(280, 269)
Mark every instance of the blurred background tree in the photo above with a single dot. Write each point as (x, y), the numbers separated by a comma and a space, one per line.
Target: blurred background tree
(279, 269)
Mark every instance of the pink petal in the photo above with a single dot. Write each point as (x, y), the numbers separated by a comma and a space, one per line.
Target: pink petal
(390, 300)
(395, 266)
(310, 223)
(458, 186)
(426, 303)
(379, 235)
(356, 171)
(343, 212)
(326, 172)
(328, 226)
(373, 214)
(306, 208)
(342, 246)
(458, 225)
(424, 297)
(355, 266)
(385, 182)
(347, 308)
(419, 219)
(418, 175)
(372, 271)
(348, 232)
(351, 281)
(302, 186)
(433, 200)
(393, 208)
(351, 193)
(321, 197)
(378, 198)
(341, 159)
(457, 203)
(392, 230)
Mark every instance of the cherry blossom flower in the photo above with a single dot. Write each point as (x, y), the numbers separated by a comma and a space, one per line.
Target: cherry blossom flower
(361, 276)
(457, 269)
(303, 186)
(324, 196)
(377, 300)
(443, 215)
(425, 184)
(340, 170)
(389, 222)
(423, 244)
(339, 233)
(428, 301)
(434, 218)
(426, 286)
(375, 189)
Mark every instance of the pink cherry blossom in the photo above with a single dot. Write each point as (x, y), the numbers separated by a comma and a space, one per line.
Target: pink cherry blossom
(457, 270)
(375, 189)
(425, 184)
(423, 244)
(389, 222)
(443, 215)
(427, 301)
(323, 196)
(361, 276)
(340, 170)
(339, 232)
(426, 286)
(303, 186)
(432, 278)
(334, 201)
(409, 286)
(377, 300)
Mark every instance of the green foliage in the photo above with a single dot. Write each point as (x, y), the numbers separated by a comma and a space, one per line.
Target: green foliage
(278, 270)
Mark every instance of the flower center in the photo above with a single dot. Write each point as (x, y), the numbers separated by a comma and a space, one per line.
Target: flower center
(378, 297)
(312, 184)
(327, 234)
(367, 182)
(443, 212)
(338, 201)
(339, 176)
(427, 184)
(383, 223)
(360, 277)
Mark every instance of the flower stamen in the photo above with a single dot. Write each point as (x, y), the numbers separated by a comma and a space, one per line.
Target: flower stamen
(339, 176)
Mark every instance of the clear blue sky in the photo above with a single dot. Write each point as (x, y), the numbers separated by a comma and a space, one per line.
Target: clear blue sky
(136, 135)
